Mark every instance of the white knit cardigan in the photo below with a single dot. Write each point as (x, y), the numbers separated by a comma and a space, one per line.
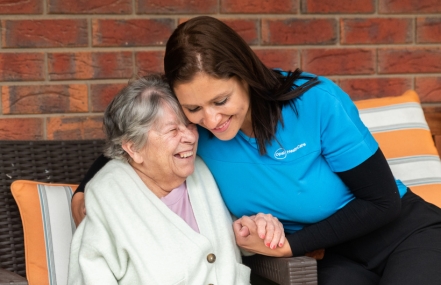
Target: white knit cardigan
(129, 236)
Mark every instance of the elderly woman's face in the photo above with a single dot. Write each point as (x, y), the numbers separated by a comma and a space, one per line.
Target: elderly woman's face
(170, 150)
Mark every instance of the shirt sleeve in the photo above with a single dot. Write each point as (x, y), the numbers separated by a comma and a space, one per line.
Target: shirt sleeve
(377, 202)
(96, 166)
(345, 140)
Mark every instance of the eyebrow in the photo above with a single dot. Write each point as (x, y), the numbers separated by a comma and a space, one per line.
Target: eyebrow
(220, 96)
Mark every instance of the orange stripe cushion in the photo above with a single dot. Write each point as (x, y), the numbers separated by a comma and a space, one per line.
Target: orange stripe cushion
(48, 228)
(399, 126)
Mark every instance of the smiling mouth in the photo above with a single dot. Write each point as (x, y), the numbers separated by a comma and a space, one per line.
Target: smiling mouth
(221, 127)
(184, 154)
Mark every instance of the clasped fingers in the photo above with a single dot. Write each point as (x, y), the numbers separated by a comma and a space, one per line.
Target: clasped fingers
(270, 229)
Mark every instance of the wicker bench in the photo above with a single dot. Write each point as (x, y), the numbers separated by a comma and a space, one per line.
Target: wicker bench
(68, 161)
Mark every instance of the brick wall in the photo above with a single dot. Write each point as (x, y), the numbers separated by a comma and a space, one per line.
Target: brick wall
(61, 61)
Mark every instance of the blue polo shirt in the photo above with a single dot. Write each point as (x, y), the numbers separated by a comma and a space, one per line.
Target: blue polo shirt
(295, 181)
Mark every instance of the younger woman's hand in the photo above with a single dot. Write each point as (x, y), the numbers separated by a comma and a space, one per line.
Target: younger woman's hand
(270, 230)
(253, 242)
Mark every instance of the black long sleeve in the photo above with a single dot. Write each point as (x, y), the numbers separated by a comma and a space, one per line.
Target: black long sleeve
(377, 202)
(96, 166)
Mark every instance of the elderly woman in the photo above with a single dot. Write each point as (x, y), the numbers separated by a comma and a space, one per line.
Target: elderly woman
(154, 213)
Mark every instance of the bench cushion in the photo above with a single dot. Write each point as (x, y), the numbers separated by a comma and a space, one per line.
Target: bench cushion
(399, 126)
(48, 228)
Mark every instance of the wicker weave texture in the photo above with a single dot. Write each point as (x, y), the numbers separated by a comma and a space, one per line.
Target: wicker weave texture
(67, 162)
(45, 161)
(284, 271)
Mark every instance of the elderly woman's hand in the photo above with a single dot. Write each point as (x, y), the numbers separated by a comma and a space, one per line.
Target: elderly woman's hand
(247, 236)
(269, 229)
(78, 208)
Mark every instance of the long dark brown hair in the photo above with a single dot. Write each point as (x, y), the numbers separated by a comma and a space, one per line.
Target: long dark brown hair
(205, 44)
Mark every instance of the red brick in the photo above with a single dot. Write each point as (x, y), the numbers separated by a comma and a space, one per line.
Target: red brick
(21, 129)
(338, 61)
(246, 28)
(299, 32)
(340, 6)
(429, 89)
(367, 88)
(44, 99)
(21, 66)
(252, 6)
(74, 128)
(376, 31)
(176, 6)
(409, 60)
(428, 30)
(44, 33)
(149, 62)
(90, 7)
(286, 59)
(90, 65)
(102, 94)
(129, 33)
(409, 6)
(21, 6)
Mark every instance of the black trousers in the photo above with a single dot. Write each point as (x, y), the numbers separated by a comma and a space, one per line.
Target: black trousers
(404, 252)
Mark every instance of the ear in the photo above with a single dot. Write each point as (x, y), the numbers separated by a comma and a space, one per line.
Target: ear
(134, 154)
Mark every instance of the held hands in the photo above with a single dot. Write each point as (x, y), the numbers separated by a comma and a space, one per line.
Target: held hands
(262, 234)
(78, 208)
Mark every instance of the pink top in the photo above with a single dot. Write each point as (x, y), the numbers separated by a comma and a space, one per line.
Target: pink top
(179, 202)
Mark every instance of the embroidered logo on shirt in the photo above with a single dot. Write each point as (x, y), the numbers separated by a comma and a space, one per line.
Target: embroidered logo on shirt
(281, 153)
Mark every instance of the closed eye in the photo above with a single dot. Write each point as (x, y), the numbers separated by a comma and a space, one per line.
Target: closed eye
(192, 110)
(221, 102)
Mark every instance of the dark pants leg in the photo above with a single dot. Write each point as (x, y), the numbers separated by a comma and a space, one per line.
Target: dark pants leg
(406, 251)
(416, 261)
(335, 269)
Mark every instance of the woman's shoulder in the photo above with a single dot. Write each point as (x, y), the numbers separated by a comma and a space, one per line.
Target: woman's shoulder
(112, 172)
(200, 166)
(325, 92)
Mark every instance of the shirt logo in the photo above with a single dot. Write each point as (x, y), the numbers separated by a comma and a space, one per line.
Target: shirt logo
(281, 153)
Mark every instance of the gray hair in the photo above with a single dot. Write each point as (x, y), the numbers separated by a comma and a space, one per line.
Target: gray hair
(134, 111)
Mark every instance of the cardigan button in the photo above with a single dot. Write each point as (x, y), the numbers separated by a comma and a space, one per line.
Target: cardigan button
(211, 258)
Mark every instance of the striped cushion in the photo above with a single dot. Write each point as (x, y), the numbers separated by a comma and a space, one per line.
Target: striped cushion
(399, 126)
(48, 228)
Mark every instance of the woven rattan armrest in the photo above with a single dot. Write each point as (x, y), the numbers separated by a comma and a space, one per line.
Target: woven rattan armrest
(10, 278)
(67, 162)
(284, 271)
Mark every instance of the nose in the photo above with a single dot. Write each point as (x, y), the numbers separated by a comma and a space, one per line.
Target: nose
(211, 118)
(188, 135)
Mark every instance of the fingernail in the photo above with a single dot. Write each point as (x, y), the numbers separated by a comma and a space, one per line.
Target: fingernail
(273, 247)
(280, 244)
(267, 244)
(262, 236)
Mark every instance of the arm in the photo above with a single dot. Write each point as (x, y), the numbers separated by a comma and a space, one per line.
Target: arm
(78, 207)
(377, 202)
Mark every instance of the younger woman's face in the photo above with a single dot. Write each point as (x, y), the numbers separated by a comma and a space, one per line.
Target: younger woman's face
(222, 106)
